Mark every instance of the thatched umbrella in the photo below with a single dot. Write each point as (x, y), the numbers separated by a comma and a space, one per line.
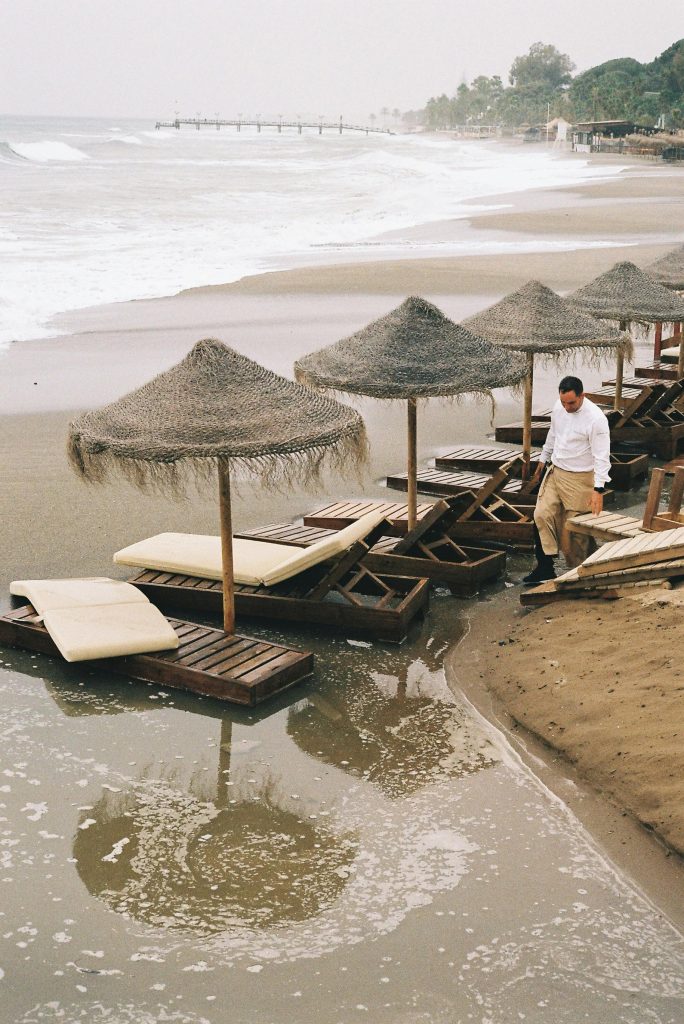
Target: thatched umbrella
(217, 406)
(669, 272)
(537, 321)
(628, 295)
(413, 352)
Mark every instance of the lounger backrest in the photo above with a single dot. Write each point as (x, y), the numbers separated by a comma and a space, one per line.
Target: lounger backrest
(97, 617)
(329, 547)
(255, 563)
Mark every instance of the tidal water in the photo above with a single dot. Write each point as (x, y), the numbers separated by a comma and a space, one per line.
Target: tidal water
(362, 848)
(97, 211)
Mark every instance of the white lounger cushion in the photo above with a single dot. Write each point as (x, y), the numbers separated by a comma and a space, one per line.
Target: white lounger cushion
(669, 353)
(45, 595)
(255, 562)
(97, 617)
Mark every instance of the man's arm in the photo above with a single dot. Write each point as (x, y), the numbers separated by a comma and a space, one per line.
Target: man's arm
(547, 450)
(600, 450)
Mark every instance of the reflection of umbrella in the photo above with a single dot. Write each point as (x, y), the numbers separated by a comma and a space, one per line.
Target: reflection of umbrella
(216, 406)
(627, 294)
(174, 861)
(536, 320)
(413, 352)
(390, 729)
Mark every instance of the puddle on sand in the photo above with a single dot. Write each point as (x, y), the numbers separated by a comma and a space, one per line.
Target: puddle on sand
(361, 848)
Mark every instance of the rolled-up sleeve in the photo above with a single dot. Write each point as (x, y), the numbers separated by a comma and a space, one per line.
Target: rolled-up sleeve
(600, 450)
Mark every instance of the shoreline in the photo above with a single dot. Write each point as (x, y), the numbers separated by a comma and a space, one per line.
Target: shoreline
(276, 317)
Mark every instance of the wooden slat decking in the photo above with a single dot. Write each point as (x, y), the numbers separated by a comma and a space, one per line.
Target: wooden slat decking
(606, 526)
(233, 668)
(339, 514)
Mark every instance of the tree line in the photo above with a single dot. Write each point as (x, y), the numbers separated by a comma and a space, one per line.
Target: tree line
(541, 83)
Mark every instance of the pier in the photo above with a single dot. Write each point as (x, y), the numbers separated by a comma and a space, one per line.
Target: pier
(239, 123)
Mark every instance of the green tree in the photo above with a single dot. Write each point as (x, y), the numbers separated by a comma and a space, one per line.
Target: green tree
(544, 66)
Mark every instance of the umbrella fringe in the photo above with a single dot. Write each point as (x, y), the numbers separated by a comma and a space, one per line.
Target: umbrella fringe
(276, 471)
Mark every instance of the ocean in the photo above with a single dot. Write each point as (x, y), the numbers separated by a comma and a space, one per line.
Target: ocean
(100, 210)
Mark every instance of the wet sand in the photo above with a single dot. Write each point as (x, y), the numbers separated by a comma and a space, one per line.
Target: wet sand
(440, 878)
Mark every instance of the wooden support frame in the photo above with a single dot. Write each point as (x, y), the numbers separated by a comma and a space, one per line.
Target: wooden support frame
(342, 593)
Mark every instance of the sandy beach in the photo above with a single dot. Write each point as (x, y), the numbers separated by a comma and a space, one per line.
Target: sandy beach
(585, 682)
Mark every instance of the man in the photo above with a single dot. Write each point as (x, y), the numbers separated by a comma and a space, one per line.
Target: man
(577, 453)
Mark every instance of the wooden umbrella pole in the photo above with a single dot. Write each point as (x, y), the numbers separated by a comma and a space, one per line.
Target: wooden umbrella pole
(226, 546)
(412, 465)
(680, 360)
(619, 371)
(527, 416)
(658, 340)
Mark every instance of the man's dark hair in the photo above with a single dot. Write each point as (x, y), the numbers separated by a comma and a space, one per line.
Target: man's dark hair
(571, 384)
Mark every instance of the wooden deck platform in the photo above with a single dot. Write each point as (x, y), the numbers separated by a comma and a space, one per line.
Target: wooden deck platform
(208, 661)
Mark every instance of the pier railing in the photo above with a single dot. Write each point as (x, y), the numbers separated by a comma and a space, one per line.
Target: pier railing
(239, 123)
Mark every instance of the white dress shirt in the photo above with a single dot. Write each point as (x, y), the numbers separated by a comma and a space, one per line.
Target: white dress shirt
(579, 441)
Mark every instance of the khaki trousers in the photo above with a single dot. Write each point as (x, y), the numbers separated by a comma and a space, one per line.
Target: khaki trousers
(563, 495)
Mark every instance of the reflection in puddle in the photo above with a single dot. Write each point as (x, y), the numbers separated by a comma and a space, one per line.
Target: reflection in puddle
(393, 731)
(173, 861)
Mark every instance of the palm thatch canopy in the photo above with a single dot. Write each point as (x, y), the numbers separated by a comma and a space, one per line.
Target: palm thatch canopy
(214, 405)
(628, 294)
(668, 270)
(413, 352)
(536, 319)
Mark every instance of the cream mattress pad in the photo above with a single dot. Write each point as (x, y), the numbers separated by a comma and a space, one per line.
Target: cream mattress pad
(670, 353)
(97, 617)
(255, 562)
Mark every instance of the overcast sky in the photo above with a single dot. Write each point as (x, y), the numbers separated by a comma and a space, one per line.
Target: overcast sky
(147, 58)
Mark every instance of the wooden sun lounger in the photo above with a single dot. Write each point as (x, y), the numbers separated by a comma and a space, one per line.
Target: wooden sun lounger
(340, 593)
(426, 552)
(450, 483)
(627, 467)
(608, 526)
(607, 586)
(512, 433)
(654, 420)
(644, 549)
(672, 517)
(208, 661)
(481, 516)
(605, 395)
(485, 459)
(639, 383)
(658, 369)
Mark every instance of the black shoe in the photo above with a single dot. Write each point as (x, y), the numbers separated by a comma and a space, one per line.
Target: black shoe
(540, 574)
